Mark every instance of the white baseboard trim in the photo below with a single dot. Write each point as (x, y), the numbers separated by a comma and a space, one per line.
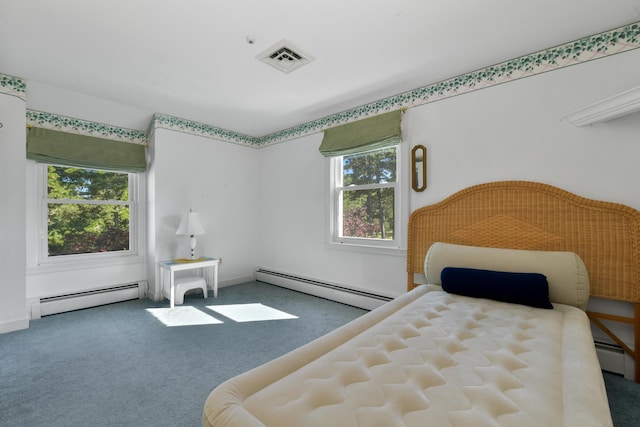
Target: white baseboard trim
(38, 307)
(612, 358)
(14, 325)
(332, 291)
(236, 281)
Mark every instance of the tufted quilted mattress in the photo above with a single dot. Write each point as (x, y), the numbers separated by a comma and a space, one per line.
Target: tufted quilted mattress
(429, 358)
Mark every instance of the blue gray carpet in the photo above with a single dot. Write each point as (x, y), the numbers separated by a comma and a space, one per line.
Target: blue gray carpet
(624, 400)
(118, 365)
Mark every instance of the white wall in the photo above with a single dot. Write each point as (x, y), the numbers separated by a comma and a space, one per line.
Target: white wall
(13, 312)
(516, 131)
(215, 178)
(510, 131)
(268, 207)
(218, 180)
(293, 223)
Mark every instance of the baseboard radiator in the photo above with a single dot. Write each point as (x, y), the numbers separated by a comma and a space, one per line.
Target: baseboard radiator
(69, 302)
(331, 291)
(613, 359)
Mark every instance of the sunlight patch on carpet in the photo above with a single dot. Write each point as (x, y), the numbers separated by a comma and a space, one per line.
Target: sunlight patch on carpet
(250, 312)
(182, 316)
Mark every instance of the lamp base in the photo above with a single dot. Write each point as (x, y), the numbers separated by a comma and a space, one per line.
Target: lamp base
(192, 244)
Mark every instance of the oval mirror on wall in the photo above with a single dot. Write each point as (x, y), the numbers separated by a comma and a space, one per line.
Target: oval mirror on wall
(419, 168)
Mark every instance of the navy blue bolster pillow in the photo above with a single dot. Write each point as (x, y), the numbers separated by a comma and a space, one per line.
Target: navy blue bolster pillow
(530, 289)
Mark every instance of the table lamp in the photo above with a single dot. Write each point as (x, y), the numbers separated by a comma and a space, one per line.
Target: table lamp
(190, 226)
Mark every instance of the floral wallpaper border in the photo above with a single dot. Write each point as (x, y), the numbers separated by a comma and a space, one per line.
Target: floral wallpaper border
(182, 125)
(15, 86)
(84, 127)
(611, 42)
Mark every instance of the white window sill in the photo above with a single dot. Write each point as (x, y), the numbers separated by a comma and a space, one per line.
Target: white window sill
(82, 262)
(368, 249)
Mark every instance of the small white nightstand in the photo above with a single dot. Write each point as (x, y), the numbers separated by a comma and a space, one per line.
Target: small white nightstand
(205, 267)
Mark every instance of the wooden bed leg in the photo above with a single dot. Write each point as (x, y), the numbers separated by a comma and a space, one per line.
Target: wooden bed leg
(634, 322)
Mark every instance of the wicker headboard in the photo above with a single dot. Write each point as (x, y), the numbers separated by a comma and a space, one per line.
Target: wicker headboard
(535, 216)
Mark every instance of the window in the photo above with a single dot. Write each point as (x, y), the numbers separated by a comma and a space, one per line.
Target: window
(366, 198)
(87, 211)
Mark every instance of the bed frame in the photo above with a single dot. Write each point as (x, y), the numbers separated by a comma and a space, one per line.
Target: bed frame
(535, 216)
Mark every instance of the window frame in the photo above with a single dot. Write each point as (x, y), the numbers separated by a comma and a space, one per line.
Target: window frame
(135, 183)
(397, 245)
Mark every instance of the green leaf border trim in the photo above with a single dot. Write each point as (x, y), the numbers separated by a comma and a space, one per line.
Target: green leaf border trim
(163, 121)
(14, 86)
(84, 127)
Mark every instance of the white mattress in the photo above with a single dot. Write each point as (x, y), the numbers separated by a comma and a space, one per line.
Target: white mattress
(429, 358)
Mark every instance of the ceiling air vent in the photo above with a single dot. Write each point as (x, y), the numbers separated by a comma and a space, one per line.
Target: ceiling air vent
(284, 56)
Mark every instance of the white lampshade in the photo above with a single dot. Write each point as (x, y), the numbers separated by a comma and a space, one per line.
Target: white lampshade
(190, 226)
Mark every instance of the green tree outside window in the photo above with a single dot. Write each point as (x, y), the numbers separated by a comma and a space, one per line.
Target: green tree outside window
(88, 211)
(367, 199)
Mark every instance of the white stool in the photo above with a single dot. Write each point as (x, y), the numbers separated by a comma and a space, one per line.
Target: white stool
(184, 284)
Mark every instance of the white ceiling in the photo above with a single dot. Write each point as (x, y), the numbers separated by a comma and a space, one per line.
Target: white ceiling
(191, 59)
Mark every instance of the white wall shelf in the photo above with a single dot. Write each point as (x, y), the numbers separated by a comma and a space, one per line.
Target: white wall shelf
(622, 104)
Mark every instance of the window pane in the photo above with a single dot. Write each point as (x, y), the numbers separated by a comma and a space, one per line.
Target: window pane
(86, 184)
(368, 213)
(374, 167)
(80, 229)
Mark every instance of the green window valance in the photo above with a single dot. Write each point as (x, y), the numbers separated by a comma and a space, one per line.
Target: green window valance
(52, 146)
(366, 134)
